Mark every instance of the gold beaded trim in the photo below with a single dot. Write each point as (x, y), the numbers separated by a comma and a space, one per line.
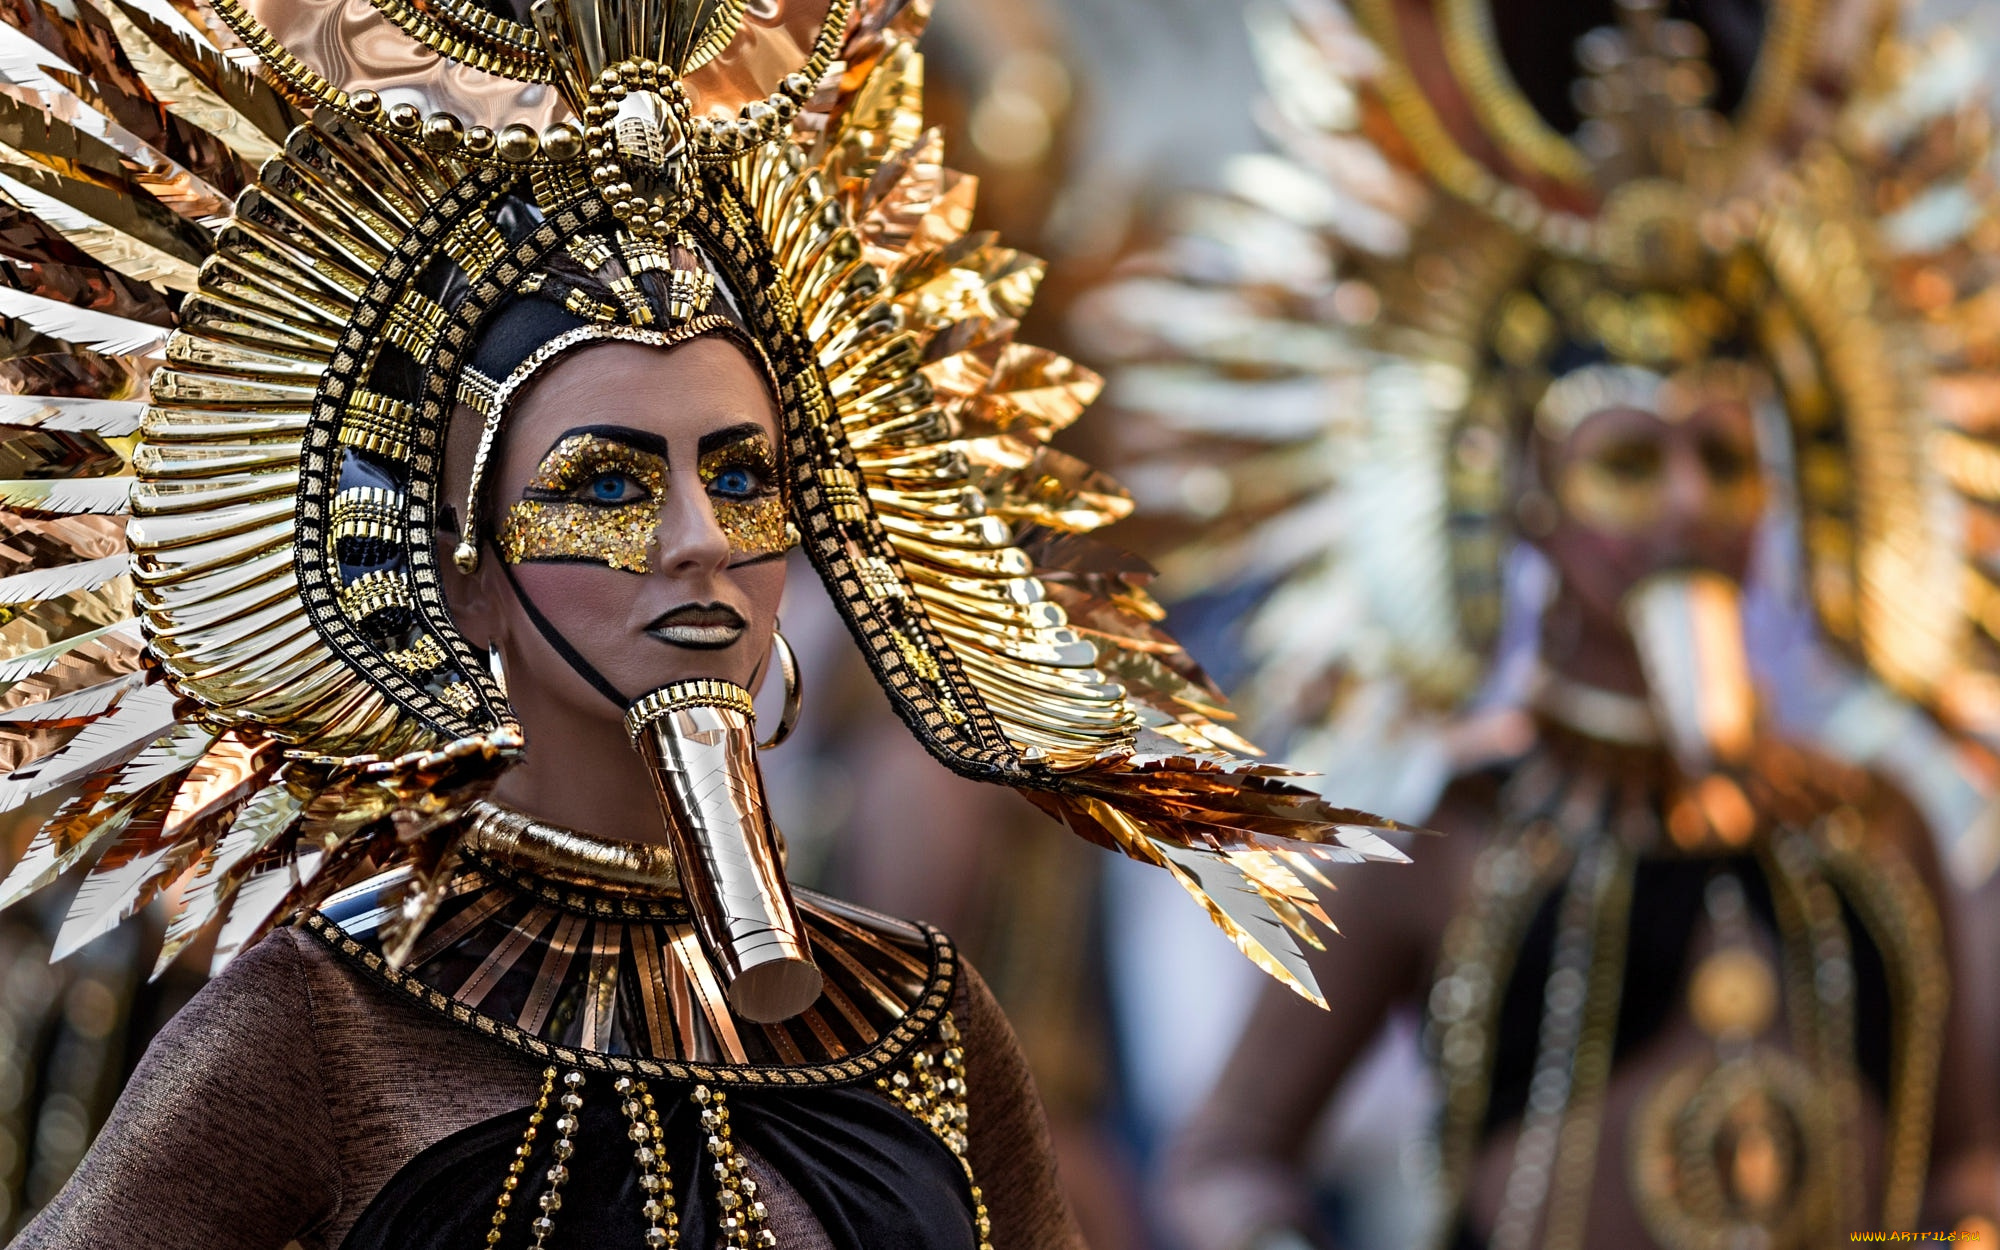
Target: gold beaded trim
(934, 1092)
(475, 245)
(424, 655)
(495, 45)
(375, 423)
(477, 391)
(520, 1163)
(366, 512)
(373, 592)
(699, 692)
(414, 324)
(459, 697)
(520, 144)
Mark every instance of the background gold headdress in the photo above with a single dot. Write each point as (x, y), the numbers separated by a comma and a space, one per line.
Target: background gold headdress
(1343, 347)
(273, 698)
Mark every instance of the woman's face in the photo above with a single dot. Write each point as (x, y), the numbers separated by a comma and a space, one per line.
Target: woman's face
(1639, 494)
(635, 500)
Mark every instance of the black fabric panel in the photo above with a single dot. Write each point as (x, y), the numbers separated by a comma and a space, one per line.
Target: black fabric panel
(1667, 901)
(873, 1177)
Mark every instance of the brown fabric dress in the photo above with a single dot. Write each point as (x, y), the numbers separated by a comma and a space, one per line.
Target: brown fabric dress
(292, 1088)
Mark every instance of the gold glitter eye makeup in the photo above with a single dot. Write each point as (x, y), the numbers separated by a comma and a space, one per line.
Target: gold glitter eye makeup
(592, 498)
(741, 480)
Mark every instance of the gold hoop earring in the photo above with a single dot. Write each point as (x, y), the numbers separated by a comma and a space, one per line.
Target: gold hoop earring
(495, 666)
(788, 667)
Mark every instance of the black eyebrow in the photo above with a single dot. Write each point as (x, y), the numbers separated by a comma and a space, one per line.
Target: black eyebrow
(723, 438)
(638, 440)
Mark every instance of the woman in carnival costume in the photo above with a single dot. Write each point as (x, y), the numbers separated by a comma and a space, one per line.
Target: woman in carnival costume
(1687, 984)
(490, 396)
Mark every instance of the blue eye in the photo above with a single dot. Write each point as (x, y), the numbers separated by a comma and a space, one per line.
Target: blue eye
(612, 488)
(740, 483)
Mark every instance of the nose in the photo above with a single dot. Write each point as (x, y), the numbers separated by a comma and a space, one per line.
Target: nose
(689, 542)
(1689, 491)
(1689, 487)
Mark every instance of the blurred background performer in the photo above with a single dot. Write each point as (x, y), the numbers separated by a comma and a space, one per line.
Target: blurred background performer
(1544, 338)
(489, 400)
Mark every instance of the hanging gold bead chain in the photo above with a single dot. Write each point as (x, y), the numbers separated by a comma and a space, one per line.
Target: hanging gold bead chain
(742, 1214)
(934, 1092)
(520, 1163)
(663, 1221)
(566, 1126)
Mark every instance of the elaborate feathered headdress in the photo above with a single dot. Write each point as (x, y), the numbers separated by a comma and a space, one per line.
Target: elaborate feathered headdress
(227, 658)
(1347, 345)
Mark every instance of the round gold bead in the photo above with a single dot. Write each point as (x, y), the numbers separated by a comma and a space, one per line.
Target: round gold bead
(517, 145)
(443, 132)
(797, 84)
(609, 76)
(405, 117)
(365, 103)
(479, 140)
(562, 142)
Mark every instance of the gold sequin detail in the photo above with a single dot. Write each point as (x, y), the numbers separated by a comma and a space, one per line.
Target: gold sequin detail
(620, 535)
(755, 526)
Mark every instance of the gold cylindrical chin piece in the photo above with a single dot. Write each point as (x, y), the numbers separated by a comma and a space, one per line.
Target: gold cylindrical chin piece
(1689, 630)
(700, 745)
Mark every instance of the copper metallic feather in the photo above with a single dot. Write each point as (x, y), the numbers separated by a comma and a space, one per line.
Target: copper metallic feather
(210, 890)
(101, 332)
(130, 874)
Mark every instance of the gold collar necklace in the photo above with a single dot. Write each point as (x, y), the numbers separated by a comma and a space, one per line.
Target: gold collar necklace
(540, 849)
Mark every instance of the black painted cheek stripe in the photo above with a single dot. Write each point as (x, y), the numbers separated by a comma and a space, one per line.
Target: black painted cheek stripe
(550, 634)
